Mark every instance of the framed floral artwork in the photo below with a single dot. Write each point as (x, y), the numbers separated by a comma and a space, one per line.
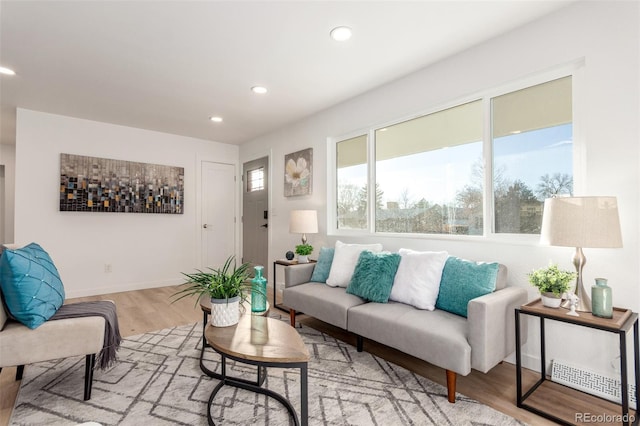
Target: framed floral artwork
(298, 173)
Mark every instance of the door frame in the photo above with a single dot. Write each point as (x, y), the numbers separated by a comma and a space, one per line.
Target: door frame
(255, 156)
(198, 205)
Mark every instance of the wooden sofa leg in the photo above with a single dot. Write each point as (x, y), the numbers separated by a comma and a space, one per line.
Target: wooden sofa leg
(359, 343)
(451, 386)
(292, 317)
(90, 361)
(19, 372)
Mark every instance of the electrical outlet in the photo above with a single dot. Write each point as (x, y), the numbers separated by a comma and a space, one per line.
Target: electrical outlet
(107, 267)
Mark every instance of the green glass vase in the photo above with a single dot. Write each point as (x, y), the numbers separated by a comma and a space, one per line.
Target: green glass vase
(258, 291)
(601, 299)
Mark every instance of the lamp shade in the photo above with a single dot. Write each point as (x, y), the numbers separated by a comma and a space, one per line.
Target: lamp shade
(581, 222)
(303, 222)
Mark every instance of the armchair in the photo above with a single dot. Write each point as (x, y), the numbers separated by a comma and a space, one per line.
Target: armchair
(20, 345)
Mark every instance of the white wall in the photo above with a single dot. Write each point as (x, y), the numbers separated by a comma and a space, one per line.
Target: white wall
(7, 159)
(145, 250)
(603, 34)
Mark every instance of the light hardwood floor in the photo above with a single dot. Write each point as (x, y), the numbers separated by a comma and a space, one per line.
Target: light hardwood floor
(147, 310)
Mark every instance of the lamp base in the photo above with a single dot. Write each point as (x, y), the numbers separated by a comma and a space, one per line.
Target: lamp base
(584, 299)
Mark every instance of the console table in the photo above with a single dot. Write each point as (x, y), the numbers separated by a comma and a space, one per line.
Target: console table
(623, 320)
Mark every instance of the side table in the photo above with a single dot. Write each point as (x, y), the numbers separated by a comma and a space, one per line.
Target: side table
(621, 323)
(282, 262)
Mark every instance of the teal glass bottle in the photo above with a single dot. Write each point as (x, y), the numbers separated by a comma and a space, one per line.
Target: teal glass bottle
(601, 299)
(258, 291)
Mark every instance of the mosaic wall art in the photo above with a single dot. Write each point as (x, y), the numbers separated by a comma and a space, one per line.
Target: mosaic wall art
(91, 184)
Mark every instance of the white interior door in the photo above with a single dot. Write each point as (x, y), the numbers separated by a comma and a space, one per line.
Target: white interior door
(218, 213)
(255, 212)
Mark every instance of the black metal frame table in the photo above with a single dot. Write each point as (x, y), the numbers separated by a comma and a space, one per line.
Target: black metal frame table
(284, 347)
(206, 311)
(622, 321)
(255, 387)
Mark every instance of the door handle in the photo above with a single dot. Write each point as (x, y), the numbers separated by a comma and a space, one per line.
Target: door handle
(266, 225)
(205, 226)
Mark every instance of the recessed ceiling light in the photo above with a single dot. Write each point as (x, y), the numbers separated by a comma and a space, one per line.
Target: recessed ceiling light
(341, 33)
(216, 119)
(7, 71)
(259, 90)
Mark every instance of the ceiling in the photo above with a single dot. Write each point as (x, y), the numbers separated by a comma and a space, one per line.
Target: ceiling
(170, 65)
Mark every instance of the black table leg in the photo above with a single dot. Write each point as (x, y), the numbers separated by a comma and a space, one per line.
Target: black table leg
(243, 384)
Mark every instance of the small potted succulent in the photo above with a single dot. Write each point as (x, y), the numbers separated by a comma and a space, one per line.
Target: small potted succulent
(552, 282)
(303, 251)
(228, 287)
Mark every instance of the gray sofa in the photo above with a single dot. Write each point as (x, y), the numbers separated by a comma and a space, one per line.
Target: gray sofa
(452, 342)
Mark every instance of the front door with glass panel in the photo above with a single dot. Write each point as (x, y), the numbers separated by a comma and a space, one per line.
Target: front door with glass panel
(255, 212)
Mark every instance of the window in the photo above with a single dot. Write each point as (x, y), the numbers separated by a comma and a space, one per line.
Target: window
(255, 179)
(351, 177)
(532, 153)
(426, 175)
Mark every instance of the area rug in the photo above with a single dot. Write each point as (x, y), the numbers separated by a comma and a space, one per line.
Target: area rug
(158, 381)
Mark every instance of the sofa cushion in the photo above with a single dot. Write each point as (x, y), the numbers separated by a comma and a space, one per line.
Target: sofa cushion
(52, 340)
(438, 337)
(328, 304)
(31, 285)
(463, 280)
(323, 265)
(417, 281)
(373, 276)
(344, 262)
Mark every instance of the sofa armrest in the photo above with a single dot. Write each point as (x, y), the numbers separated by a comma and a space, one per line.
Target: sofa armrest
(298, 274)
(491, 323)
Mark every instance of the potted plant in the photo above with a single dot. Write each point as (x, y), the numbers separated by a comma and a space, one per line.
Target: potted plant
(303, 251)
(228, 287)
(552, 282)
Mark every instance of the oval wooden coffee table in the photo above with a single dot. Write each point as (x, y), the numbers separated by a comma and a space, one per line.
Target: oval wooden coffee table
(205, 305)
(264, 342)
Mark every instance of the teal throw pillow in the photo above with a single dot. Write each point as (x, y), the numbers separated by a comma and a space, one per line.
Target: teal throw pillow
(463, 280)
(373, 277)
(323, 266)
(30, 284)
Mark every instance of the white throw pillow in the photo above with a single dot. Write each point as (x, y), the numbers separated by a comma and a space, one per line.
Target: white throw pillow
(344, 262)
(417, 281)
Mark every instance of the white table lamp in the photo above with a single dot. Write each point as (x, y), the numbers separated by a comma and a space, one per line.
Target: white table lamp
(303, 222)
(581, 222)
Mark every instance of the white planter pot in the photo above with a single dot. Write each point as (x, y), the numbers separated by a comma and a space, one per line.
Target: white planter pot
(550, 300)
(225, 312)
(303, 259)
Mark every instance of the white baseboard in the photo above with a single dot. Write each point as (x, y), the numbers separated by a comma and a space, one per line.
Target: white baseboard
(96, 291)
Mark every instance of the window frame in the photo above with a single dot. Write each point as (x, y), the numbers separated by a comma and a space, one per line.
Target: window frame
(332, 185)
(575, 70)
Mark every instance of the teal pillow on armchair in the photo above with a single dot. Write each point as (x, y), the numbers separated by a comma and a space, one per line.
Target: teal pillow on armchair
(463, 280)
(374, 274)
(31, 286)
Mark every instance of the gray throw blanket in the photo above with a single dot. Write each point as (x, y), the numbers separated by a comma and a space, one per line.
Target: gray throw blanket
(104, 309)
